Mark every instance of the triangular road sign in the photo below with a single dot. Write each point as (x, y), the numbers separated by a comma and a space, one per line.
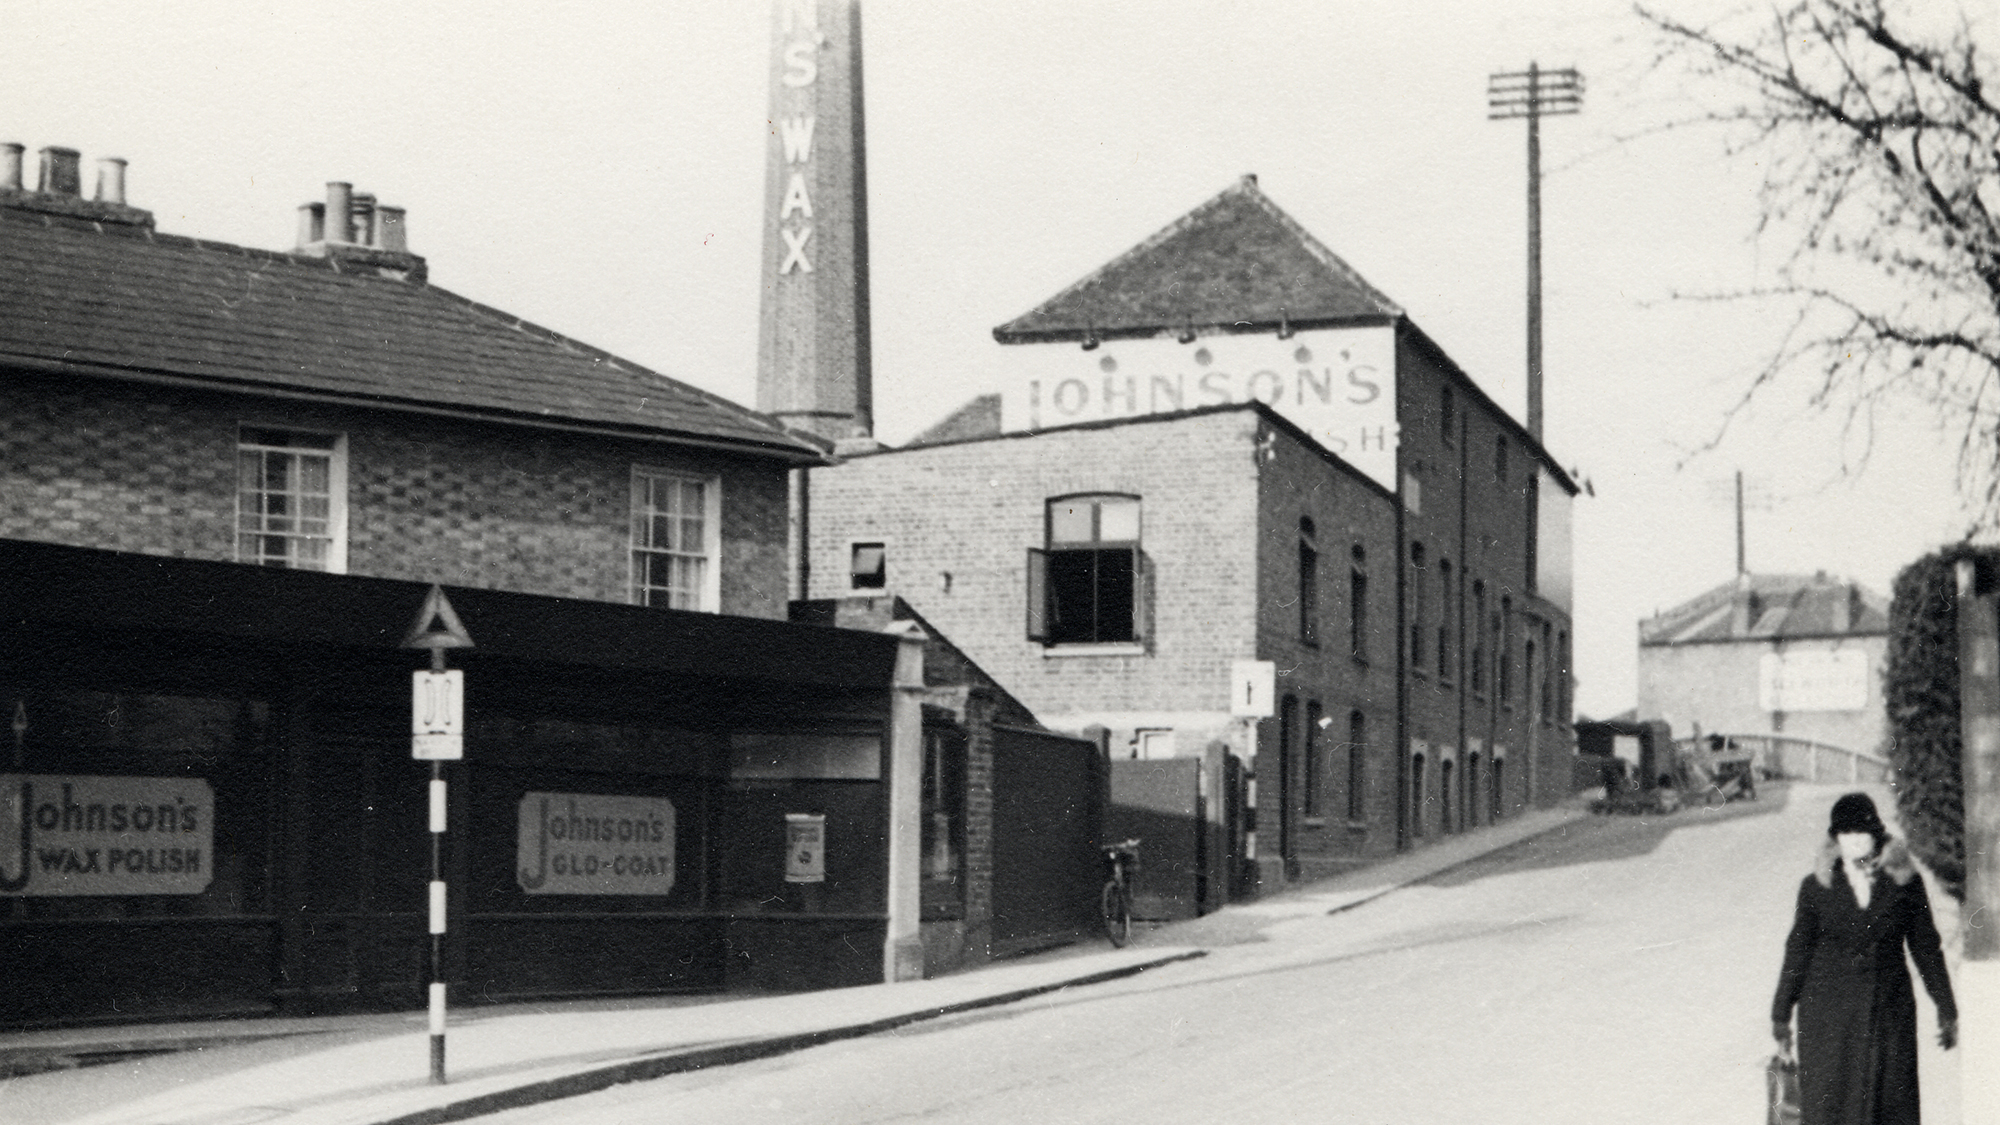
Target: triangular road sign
(437, 625)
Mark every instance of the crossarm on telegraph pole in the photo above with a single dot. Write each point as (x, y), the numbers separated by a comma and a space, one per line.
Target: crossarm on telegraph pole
(1534, 93)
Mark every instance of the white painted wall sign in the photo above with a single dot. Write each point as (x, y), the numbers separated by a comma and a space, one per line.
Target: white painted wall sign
(63, 834)
(595, 844)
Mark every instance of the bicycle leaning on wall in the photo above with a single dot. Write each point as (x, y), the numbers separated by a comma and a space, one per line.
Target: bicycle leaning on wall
(1121, 862)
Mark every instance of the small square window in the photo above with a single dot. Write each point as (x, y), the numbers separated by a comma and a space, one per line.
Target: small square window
(291, 499)
(868, 566)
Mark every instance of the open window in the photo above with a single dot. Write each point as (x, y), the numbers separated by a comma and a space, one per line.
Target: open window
(1085, 586)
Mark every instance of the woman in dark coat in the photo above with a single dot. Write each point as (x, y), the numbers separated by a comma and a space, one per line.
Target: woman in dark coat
(1844, 971)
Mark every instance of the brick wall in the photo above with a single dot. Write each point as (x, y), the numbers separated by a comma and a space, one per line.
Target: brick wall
(959, 519)
(149, 470)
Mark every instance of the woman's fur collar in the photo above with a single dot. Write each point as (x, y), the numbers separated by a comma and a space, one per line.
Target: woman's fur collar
(1893, 860)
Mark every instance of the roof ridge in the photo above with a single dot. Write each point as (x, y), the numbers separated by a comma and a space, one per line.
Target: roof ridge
(599, 355)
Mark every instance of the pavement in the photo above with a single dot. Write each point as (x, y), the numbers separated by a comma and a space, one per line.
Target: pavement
(374, 1069)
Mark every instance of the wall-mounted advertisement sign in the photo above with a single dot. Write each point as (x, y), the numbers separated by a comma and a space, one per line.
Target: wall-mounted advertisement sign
(805, 848)
(1813, 681)
(1336, 384)
(594, 844)
(63, 834)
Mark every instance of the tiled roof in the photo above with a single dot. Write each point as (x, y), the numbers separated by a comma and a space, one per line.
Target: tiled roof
(124, 301)
(1236, 258)
(979, 417)
(1769, 607)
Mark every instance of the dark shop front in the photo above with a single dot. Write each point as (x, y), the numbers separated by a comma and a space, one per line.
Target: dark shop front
(211, 807)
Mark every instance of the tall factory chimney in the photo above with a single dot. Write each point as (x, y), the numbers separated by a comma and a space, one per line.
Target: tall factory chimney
(813, 349)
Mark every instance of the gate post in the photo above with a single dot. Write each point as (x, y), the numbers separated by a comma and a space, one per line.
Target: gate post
(1979, 915)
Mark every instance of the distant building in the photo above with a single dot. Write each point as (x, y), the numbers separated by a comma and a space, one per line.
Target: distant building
(1221, 451)
(1799, 656)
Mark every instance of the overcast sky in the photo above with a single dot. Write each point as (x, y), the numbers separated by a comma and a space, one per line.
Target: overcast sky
(598, 169)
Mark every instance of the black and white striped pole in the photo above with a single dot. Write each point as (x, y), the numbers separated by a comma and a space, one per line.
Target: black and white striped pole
(437, 736)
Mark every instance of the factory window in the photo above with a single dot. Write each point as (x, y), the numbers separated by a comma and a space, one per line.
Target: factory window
(1084, 588)
(1419, 576)
(1357, 766)
(1315, 766)
(868, 566)
(674, 540)
(1478, 669)
(291, 499)
(1446, 619)
(1357, 604)
(1308, 584)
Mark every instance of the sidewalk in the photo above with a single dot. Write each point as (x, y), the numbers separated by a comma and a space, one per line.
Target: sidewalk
(374, 1069)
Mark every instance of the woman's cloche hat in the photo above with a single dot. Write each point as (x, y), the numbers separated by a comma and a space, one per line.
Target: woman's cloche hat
(1855, 812)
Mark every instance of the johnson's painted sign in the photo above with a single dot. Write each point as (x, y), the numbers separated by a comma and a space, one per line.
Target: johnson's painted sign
(1337, 384)
(63, 834)
(594, 844)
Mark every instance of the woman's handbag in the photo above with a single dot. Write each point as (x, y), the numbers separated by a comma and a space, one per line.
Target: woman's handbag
(1781, 1084)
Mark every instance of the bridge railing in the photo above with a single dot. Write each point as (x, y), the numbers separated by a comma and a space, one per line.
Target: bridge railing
(1802, 759)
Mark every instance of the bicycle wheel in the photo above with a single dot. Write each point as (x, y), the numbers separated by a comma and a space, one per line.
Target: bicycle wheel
(1116, 908)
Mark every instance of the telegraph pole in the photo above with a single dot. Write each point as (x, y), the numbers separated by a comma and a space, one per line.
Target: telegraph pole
(1534, 93)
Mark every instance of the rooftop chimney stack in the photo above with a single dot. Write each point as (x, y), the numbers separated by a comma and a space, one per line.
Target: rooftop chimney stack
(389, 232)
(111, 179)
(60, 172)
(10, 165)
(339, 211)
(364, 219)
(312, 223)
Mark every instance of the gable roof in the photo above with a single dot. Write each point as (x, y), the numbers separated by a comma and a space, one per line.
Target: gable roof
(1769, 607)
(122, 301)
(1236, 261)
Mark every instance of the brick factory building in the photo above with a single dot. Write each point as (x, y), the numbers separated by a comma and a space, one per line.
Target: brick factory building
(1231, 504)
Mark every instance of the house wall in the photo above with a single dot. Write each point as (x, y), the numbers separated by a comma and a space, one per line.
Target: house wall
(1710, 688)
(153, 470)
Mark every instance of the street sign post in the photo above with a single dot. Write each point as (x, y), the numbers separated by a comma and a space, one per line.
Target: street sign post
(437, 735)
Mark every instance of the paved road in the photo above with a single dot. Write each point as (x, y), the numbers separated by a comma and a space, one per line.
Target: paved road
(1617, 971)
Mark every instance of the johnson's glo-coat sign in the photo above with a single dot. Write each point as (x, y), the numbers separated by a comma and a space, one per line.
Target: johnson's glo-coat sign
(1336, 384)
(66, 834)
(595, 844)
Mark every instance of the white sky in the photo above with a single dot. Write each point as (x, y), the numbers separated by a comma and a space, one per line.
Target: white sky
(599, 169)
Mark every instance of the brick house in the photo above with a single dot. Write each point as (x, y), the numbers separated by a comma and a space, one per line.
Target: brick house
(1224, 446)
(227, 479)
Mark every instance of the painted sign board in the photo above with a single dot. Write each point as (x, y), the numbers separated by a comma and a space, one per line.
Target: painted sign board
(1813, 681)
(594, 844)
(1336, 384)
(67, 834)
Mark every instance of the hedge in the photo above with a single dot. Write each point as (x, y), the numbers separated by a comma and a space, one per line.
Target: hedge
(1921, 692)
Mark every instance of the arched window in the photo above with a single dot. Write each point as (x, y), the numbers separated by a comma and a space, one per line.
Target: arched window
(1416, 794)
(1084, 587)
(1357, 604)
(1314, 762)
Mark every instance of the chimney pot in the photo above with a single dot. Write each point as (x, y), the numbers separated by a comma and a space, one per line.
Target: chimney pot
(60, 172)
(111, 179)
(339, 211)
(10, 165)
(390, 231)
(312, 223)
(364, 218)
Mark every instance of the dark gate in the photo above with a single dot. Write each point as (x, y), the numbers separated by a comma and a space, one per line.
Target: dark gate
(1048, 809)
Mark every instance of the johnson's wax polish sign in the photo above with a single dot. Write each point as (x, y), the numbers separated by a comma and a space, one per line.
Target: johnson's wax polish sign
(74, 835)
(594, 844)
(1337, 384)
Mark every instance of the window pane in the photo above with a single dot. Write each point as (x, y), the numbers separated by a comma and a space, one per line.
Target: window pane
(1116, 585)
(1118, 521)
(1070, 521)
